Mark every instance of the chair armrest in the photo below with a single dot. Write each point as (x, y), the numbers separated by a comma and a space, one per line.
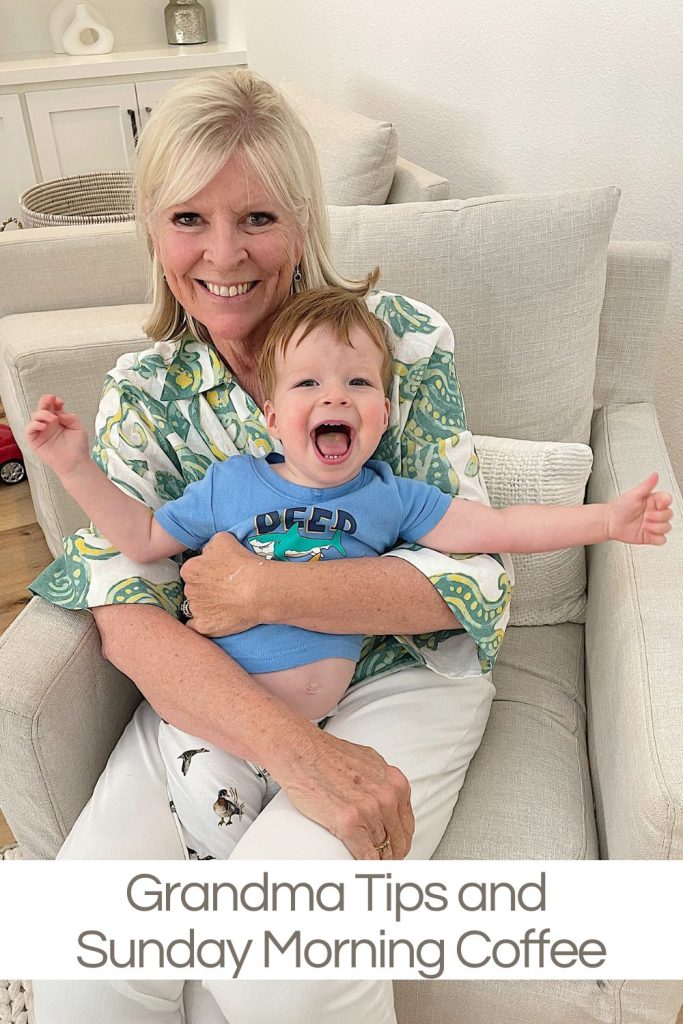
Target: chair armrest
(62, 709)
(634, 650)
(415, 184)
(71, 268)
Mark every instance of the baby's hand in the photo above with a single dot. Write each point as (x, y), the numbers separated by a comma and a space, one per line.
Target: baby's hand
(641, 515)
(57, 437)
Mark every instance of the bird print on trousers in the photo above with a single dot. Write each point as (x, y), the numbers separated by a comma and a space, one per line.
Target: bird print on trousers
(228, 805)
(186, 758)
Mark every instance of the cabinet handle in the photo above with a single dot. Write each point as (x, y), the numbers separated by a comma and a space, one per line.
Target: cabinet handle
(148, 110)
(134, 126)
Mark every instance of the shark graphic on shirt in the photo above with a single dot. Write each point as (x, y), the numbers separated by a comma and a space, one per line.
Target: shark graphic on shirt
(291, 546)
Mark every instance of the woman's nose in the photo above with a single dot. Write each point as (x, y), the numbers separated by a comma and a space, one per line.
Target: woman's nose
(225, 247)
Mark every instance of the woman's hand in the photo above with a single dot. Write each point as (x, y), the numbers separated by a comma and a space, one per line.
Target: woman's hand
(351, 791)
(224, 587)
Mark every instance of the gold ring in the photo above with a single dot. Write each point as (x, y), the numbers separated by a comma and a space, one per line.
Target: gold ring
(383, 846)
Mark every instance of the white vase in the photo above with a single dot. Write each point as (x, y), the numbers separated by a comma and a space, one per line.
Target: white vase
(60, 16)
(72, 40)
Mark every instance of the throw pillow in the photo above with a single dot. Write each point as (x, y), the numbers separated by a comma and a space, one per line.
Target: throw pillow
(550, 586)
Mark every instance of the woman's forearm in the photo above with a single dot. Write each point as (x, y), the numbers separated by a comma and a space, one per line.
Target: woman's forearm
(373, 596)
(348, 789)
(195, 686)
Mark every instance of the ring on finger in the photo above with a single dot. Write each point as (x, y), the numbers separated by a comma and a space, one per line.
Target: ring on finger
(383, 845)
(185, 609)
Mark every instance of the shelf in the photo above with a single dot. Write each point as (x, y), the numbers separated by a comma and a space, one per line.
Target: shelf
(56, 67)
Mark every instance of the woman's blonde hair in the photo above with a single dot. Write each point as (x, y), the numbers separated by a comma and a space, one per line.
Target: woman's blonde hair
(193, 132)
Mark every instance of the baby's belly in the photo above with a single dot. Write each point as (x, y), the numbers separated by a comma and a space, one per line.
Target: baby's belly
(313, 690)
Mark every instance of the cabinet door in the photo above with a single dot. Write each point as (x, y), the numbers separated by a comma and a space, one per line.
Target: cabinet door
(78, 131)
(16, 166)
(149, 94)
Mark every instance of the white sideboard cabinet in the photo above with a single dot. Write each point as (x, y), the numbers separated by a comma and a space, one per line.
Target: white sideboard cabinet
(16, 165)
(90, 128)
(61, 116)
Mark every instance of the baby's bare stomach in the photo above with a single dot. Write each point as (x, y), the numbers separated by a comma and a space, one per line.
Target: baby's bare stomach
(313, 690)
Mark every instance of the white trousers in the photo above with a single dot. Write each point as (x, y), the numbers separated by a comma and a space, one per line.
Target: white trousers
(425, 724)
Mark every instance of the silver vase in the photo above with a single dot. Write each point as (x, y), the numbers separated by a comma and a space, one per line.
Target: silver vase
(185, 22)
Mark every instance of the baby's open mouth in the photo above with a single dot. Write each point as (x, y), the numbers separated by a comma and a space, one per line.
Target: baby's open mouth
(332, 440)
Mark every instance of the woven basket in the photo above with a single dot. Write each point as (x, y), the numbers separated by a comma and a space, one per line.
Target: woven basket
(103, 198)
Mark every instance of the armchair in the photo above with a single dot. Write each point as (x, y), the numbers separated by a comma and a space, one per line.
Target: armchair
(556, 338)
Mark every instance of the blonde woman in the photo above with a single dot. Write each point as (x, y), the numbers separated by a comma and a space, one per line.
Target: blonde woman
(231, 203)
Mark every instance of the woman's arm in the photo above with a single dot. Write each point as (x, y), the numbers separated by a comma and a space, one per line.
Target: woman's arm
(347, 788)
(230, 589)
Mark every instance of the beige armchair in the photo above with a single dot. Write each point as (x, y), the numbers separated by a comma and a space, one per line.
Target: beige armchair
(556, 344)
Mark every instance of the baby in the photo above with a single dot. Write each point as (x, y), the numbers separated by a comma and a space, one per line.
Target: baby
(326, 368)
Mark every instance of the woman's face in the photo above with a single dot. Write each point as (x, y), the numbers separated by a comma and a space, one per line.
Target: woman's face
(229, 254)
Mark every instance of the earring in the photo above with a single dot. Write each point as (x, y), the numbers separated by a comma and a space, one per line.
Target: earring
(297, 278)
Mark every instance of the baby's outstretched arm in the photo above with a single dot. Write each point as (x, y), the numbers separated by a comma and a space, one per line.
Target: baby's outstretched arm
(639, 516)
(59, 439)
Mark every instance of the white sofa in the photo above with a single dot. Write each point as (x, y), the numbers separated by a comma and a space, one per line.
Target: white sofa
(556, 341)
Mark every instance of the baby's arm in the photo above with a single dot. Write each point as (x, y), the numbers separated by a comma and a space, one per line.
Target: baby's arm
(639, 516)
(60, 441)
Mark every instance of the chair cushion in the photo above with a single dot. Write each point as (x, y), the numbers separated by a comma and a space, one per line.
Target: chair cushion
(549, 586)
(357, 154)
(527, 793)
(520, 279)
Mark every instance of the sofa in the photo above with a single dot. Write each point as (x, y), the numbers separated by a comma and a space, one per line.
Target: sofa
(556, 333)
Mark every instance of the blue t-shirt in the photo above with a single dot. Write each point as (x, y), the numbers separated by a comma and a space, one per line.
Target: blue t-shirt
(277, 519)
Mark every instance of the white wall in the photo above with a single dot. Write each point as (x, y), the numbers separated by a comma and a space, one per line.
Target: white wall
(513, 96)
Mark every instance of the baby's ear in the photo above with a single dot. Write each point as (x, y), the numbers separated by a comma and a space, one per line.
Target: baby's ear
(270, 418)
(387, 412)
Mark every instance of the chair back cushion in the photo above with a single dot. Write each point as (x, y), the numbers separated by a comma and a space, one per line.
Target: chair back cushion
(521, 281)
(357, 154)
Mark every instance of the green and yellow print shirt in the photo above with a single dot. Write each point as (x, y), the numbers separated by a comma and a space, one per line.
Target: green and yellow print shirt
(167, 413)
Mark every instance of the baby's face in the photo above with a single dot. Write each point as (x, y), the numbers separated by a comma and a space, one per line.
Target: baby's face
(328, 406)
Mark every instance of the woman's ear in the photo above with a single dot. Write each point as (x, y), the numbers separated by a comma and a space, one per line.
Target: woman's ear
(299, 247)
(271, 418)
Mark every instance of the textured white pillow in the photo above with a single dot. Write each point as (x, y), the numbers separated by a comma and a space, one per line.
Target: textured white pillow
(357, 155)
(550, 586)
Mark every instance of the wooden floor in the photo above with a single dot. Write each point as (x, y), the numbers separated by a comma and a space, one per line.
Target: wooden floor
(23, 554)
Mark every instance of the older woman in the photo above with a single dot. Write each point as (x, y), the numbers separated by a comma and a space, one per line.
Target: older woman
(229, 196)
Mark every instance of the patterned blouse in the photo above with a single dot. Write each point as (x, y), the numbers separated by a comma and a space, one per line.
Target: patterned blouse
(168, 412)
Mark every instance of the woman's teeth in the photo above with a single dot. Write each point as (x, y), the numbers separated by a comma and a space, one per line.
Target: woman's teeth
(228, 291)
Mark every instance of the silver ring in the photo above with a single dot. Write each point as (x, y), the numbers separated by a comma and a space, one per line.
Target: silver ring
(185, 609)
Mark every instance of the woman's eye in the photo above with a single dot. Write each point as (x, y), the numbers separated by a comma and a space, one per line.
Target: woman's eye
(259, 220)
(186, 220)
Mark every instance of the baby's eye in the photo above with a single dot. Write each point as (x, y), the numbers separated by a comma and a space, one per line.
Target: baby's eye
(186, 219)
(360, 382)
(259, 220)
(308, 383)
